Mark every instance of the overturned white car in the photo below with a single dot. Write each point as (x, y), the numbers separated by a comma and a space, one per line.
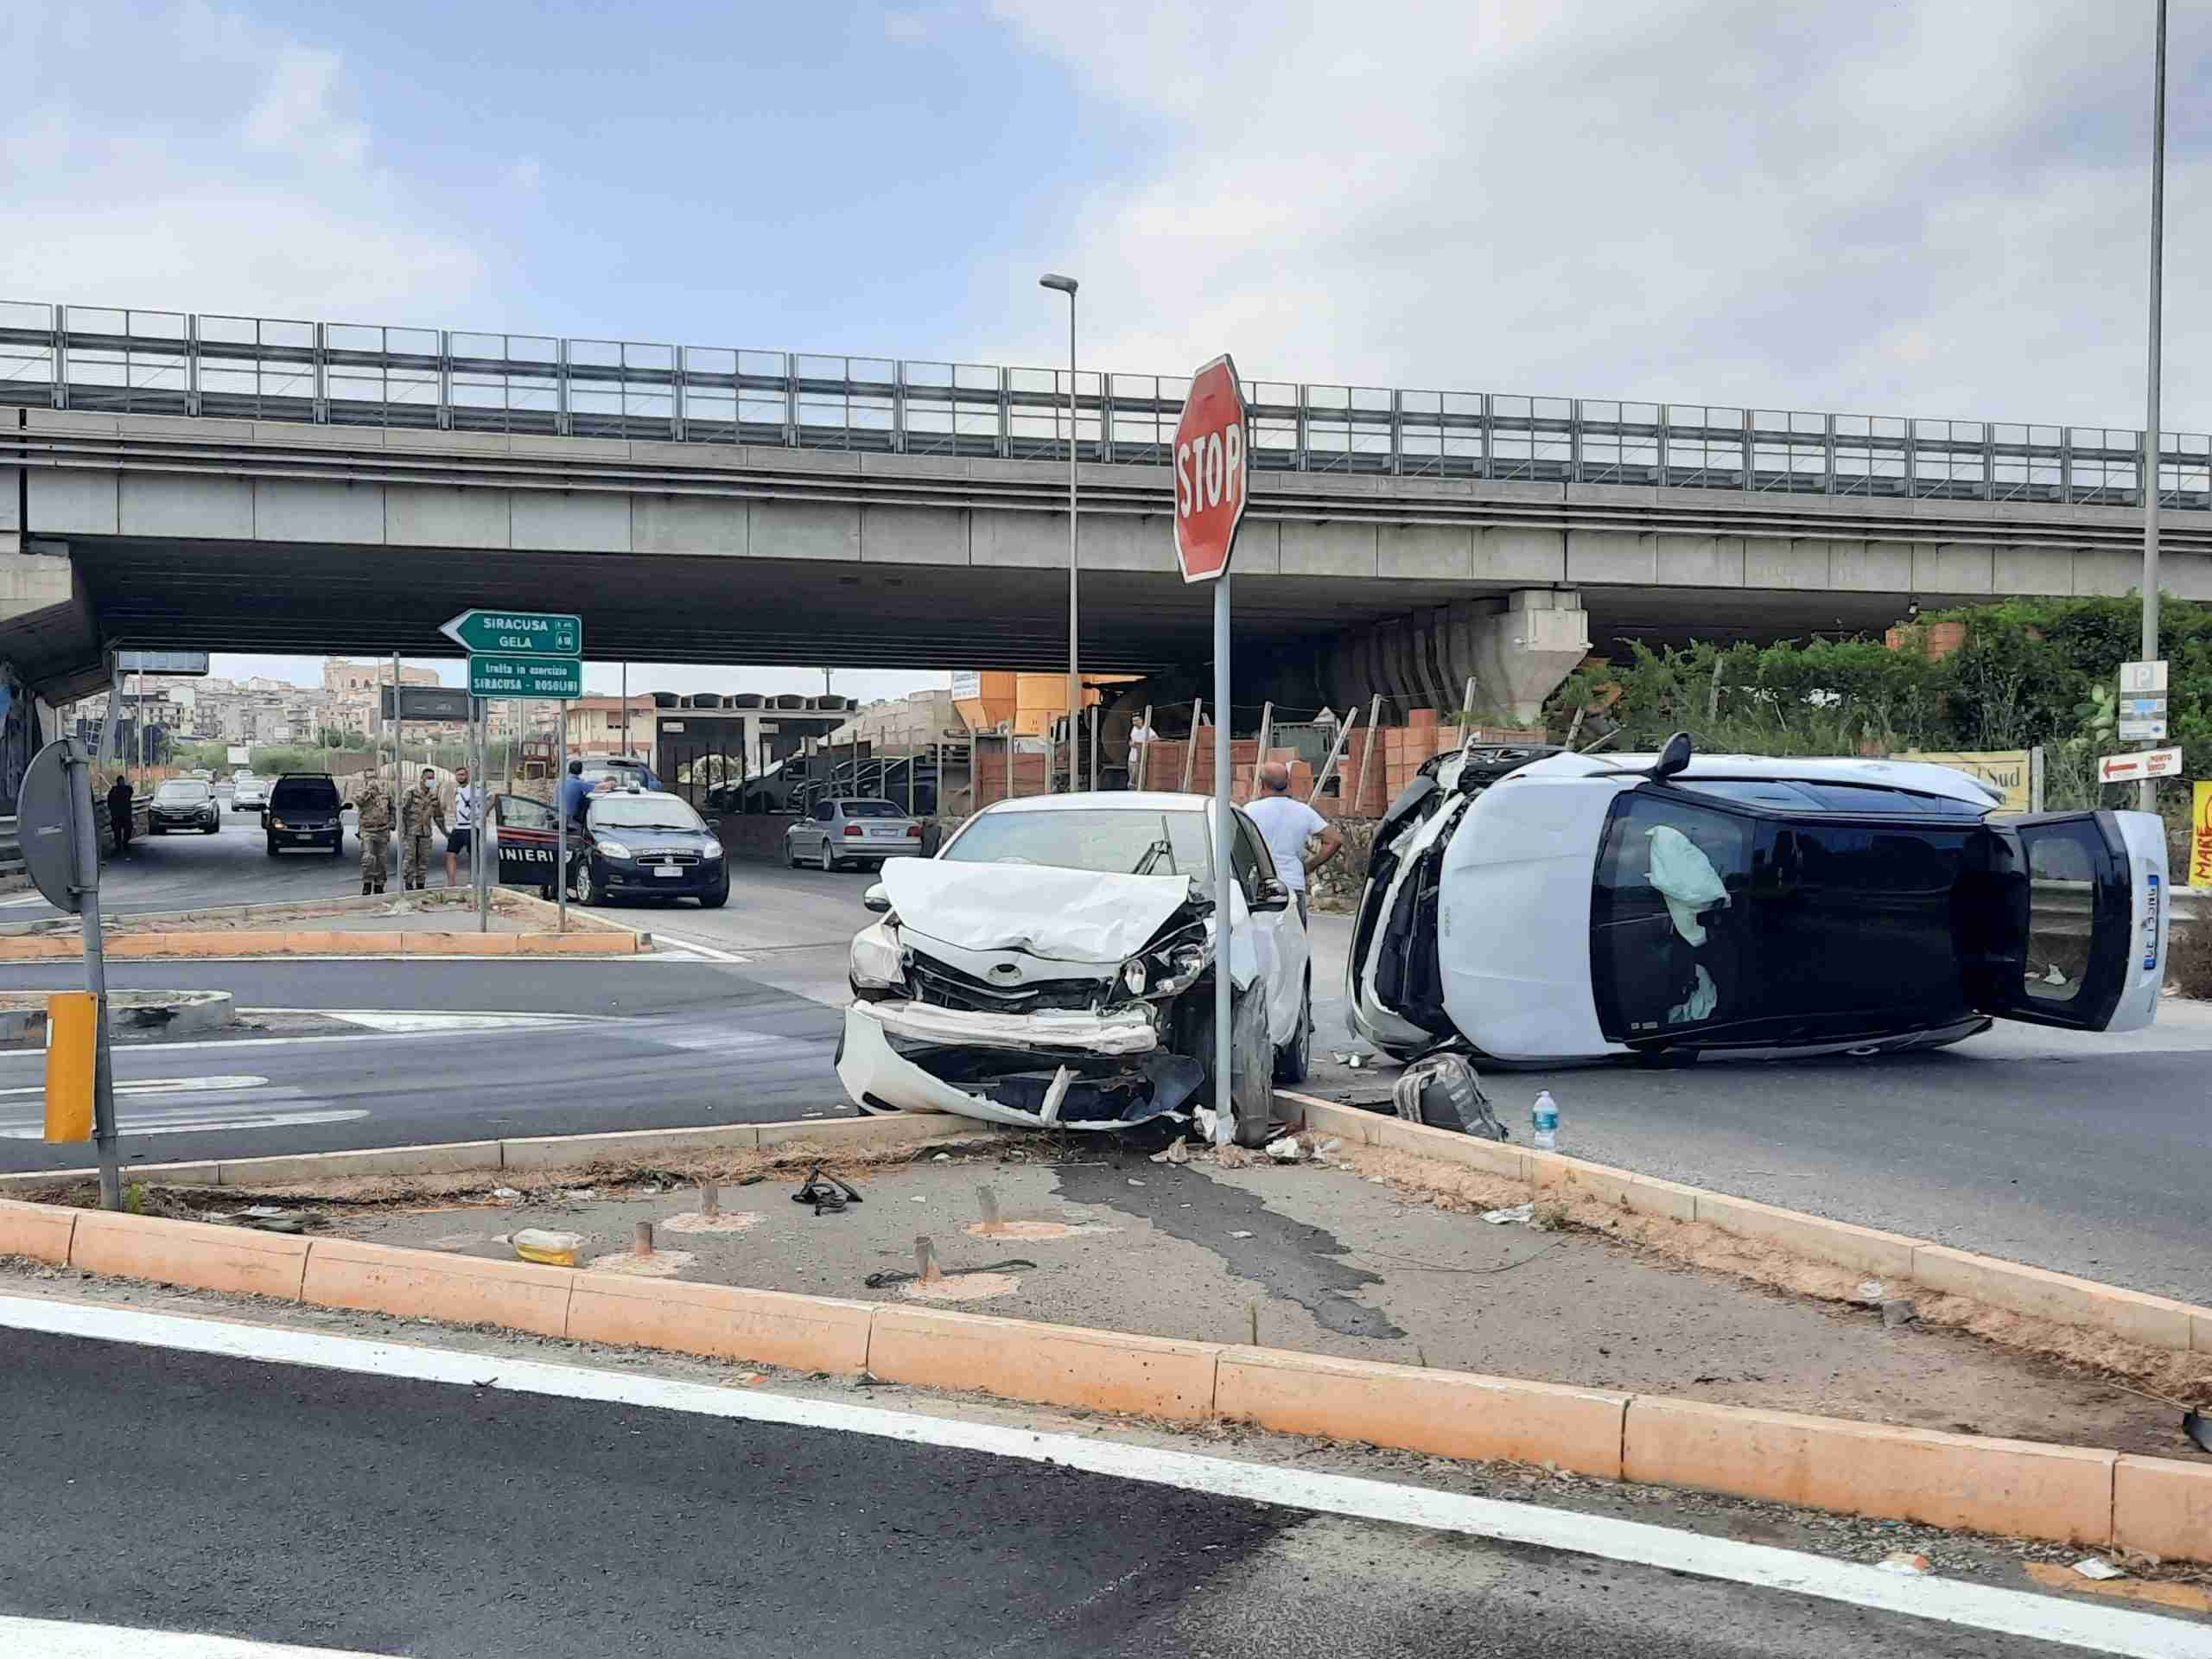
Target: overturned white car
(1053, 966)
(1529, 904)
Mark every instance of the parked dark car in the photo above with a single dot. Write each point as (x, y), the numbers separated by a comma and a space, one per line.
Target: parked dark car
(184, 803)
(304, 811)
(641, 844)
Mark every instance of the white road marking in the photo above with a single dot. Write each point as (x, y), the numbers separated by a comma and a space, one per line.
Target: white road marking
(26, 899)
(166, 1086)
(184, 1123)
(52, 1638)
(1948, 1601)
(711, 952)
(408, 1024)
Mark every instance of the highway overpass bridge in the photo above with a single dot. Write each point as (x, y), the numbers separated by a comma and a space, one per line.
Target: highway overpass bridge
(246, 484)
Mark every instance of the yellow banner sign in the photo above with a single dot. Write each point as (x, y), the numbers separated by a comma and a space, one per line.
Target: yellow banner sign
(2200, 837)
(2010, 770)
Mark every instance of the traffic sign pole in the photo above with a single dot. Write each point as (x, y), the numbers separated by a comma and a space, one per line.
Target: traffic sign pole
(85, 834)
(1224, 841)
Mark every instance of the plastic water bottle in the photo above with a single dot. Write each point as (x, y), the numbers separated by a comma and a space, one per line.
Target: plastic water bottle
(1544, 1118)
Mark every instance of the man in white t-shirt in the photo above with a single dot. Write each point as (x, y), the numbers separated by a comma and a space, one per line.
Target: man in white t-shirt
(1141, 735)
(1289, 827)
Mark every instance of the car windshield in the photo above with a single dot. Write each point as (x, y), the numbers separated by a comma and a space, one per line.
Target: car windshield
(181, 793)
(304, 792)
(643, 812)
(871, 810)
(1813, 795)
(1112, 840)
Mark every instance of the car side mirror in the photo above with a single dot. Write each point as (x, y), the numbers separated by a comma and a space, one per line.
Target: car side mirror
(1274, 895)
(877, 900)
(1674, 756)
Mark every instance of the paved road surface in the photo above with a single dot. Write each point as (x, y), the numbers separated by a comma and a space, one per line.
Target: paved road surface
(388, 1516)
(2083, 1154)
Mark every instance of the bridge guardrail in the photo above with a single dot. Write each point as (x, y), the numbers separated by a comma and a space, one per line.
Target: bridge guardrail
(111, 359)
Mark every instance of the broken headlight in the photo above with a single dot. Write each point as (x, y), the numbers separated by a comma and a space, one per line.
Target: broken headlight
(1167, 969)
(875, 961)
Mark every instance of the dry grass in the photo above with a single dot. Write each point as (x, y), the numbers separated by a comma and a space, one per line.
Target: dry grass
(2179, 1378)
(2188, 959)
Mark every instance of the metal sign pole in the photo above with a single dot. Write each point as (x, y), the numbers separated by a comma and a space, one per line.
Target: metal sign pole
(560, 823)
(2147, 792)
(85, 836)
(1224, 842)
(480, 819)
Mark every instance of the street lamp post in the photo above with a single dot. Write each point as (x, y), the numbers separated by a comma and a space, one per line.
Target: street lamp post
(1067, 286)
(2147, 790)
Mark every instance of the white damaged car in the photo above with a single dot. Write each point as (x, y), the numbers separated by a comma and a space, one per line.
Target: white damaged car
(1529, 904)
(1053, 967)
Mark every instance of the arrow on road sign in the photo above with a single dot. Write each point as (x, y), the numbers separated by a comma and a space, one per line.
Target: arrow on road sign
(2132, 768)
(518, 633)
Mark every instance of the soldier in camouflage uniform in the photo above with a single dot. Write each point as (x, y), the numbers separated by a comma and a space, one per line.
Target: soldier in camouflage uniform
(374, 803)
(419, 813)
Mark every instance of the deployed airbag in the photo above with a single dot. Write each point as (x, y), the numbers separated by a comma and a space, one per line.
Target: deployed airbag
(1686, 878)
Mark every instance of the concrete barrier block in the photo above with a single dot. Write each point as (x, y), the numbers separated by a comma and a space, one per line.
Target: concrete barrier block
(1498, 1158)
(447, 1157)
(890, 1129)
(1449, 1413)
(1054, 1364)
(2154, 1321)
(2164, 1506)
(558, 1151)
(807, 1333)
(2014, 1487)
(204, 1174)
(461, 945)
(39, 1232)
(428, 1284)
(193, 1253)
(1355, 1127)
(1861, 1249)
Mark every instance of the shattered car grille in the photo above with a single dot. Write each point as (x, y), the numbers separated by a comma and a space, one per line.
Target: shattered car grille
(948, 988)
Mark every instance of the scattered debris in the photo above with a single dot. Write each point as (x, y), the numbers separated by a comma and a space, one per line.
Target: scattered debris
(1134, 1182)
(1326, 1150)
(988, 1202)
(1520, 1212)
(1286, 1150)
(890, 1276)
(1240, 1235)
(2091, 1566)
(1896, 1311)
(506, 1194)
(549, 1249)
(1444, 1092)
(1179, 1153)
(581, 1194)
(941, 1158)
(828, 1194)
(918, 1198)
(2198, 1428)
(742, 1380)
(1872, 1292)
(1904, 1562)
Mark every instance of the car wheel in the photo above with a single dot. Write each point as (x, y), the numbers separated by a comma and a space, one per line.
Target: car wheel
(790, 854)
(338, 845)
(1294, 1059)
(272, 845)
(1251, 1057)
(717, 898)
(595, 893)
(829, 864)
(210, 828)
(153, 830)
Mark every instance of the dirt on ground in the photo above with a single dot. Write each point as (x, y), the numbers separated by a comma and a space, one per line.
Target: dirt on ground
(1368, 1254)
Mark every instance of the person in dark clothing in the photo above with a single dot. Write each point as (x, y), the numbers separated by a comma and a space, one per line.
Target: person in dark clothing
(118, 814)
(573, 792)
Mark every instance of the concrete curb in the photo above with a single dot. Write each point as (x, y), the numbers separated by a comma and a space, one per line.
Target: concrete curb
(331, 941)
(2076, 1495)
(2152, 1321)
(304, 910)
(541, 1152)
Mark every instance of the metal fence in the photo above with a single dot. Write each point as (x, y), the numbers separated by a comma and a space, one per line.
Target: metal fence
(263, 368)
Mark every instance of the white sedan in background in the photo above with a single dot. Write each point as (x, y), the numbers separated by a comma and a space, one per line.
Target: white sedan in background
(1053, 967)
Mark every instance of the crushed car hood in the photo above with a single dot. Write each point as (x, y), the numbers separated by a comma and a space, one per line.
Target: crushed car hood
(1061, 915)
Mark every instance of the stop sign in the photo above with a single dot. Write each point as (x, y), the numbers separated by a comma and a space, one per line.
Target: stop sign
(1210, 473)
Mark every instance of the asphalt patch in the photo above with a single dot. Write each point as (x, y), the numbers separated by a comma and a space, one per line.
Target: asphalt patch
(1286, 1258)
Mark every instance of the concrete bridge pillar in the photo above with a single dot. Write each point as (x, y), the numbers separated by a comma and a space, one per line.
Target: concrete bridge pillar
(1522, 649)
(47, 631)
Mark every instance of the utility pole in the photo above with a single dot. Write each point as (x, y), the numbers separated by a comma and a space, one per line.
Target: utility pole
(1068, 285)
(2147, 790)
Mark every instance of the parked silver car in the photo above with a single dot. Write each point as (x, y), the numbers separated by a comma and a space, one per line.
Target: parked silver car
(852, 831)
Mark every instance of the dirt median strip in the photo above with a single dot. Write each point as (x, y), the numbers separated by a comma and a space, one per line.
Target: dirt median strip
(2076, 1495)
(2133, 1316)
(332, 942)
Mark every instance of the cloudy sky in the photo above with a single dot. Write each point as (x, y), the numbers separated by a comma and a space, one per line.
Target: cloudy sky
(1931, 209)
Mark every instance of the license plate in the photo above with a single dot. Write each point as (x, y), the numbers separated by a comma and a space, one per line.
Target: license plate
(666, 869)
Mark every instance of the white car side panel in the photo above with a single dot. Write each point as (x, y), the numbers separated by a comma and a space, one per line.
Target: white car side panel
(2150, 903)
(1513, 923)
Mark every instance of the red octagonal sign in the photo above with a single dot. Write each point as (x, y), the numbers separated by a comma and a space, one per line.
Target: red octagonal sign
(1210, 472)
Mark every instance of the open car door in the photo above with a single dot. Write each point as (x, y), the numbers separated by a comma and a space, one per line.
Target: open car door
(2076, 932)
(527, 834)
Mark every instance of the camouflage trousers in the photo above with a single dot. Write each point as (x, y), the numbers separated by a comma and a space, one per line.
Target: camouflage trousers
(374, 845)
(414, 860)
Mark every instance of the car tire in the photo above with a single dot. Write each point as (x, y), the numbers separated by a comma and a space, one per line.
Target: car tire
(829, 864)
(790, 854)
(594, 894)
(215, 829)
(272, 845)
(153, 830)
(1294, 1059)
(1251, 1057)
(338, 845)
(717, 898)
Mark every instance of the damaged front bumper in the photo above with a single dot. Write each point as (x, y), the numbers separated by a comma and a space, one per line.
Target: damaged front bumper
(1059, 1069)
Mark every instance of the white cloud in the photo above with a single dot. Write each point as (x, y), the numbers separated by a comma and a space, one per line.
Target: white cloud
(1933, 210)
(177, 157)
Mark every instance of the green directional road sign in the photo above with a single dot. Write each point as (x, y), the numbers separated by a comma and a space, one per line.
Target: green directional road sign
(518, 633)
(524, 677)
